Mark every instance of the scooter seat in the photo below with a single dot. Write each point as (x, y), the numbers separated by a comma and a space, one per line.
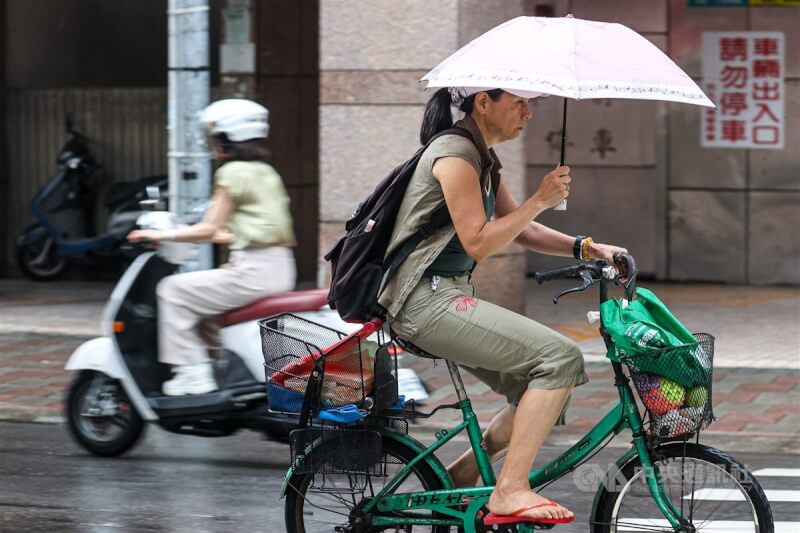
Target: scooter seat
(287, 302)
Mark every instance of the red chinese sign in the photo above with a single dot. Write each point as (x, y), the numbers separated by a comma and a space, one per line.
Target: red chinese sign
(743, 74)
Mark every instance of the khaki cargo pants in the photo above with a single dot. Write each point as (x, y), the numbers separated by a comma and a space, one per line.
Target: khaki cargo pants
(505, 350)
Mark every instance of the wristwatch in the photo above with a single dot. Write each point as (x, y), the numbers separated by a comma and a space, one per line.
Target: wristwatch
(576, 247)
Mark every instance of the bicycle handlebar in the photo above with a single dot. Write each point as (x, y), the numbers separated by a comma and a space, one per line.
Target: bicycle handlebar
(558, 273)
(626, 277)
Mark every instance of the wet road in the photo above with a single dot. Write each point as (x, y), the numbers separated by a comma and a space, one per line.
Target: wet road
(174, 483)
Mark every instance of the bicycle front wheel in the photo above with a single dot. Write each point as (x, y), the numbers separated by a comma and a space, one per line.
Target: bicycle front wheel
(712, 491)
(317, 502)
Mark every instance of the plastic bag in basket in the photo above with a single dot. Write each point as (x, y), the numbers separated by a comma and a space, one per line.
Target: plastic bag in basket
(344, 373)
(644, 326)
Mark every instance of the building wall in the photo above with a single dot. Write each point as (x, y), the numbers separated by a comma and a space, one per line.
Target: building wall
(106, 62)
(371, 107)
(686, 212)
(86, 43)
(287, 82)
(733, 214)
(106, 65)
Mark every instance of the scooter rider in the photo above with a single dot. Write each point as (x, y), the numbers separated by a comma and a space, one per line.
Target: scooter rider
(250, 210)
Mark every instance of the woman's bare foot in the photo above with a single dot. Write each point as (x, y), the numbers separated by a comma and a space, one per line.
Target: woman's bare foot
(506, 502)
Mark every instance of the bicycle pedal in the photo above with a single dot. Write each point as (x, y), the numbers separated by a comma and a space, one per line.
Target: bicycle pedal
(480, 527)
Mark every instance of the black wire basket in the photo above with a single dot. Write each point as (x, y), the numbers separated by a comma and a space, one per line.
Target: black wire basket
(332, 450)
(295, 349)
(674, 385)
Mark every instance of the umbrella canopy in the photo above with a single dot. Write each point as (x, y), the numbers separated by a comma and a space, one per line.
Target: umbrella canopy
(570, 57)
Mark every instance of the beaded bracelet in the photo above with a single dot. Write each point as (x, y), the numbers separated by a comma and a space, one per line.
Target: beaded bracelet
(588, 241)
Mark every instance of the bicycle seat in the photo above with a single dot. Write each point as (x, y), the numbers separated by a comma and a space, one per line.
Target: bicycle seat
(411, 348)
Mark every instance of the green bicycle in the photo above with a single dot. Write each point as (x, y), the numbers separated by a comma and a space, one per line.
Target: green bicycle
(370, 475)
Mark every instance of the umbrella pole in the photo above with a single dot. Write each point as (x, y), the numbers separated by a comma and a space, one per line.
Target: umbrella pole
(564, 132)
(562, 205)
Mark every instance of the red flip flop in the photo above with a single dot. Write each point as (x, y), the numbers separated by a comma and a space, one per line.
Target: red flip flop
(516, 517)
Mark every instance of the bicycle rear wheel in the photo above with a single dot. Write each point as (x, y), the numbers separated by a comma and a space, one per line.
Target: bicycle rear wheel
(317, 503)
(714, 492)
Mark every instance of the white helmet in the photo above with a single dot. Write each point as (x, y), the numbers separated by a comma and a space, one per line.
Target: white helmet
(239, 119)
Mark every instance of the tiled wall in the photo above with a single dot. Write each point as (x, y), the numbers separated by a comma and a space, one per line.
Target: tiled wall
(372, 105)
(686, 212)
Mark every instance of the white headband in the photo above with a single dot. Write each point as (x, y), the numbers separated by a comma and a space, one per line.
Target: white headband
(459, 94)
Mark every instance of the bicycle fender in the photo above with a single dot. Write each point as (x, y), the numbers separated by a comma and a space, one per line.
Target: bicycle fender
(402, 438)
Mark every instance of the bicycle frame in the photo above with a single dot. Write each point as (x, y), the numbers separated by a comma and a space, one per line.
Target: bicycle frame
(398, 509)
(625, 415)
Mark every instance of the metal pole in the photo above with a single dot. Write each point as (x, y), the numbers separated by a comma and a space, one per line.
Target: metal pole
(189, 160)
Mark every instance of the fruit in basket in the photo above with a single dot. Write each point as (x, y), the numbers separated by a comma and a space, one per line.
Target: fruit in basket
(645, 382)
(656, 403)
(697, 396)
(666, 397)
(673, 392)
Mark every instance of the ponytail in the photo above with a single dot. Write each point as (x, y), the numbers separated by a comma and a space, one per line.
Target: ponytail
(438, 116)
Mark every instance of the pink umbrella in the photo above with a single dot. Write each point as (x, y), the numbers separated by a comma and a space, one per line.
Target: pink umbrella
(569, 57)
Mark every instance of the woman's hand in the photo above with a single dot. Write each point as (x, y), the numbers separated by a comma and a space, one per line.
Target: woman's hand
(554, 187)
(222, 236)
(150, 235)
(604, 252)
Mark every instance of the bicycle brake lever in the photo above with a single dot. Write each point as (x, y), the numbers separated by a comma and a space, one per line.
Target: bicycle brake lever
(587, 282)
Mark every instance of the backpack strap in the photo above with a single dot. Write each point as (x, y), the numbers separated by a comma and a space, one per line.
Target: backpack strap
(439, 218)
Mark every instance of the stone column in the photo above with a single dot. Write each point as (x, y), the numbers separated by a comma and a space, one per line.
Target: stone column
(371, 106)
(287, 82)
(4, 175)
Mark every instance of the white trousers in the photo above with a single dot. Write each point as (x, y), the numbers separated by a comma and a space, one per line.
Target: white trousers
(189, 302)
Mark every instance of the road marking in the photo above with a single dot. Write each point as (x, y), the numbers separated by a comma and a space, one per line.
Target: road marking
(778, 472)
(715, 526)
(734, 495)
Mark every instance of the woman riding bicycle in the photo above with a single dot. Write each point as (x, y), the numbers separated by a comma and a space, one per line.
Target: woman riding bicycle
(432, 303)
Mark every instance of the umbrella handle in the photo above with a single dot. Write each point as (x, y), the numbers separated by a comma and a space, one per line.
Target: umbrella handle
(562, 205)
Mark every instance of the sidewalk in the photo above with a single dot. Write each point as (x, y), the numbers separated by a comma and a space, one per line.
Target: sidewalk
(757, 356)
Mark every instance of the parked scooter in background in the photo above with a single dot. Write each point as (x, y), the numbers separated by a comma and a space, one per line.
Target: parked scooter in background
(63, 209)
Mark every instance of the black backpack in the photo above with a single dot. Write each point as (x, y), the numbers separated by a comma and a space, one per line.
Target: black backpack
(357, 261)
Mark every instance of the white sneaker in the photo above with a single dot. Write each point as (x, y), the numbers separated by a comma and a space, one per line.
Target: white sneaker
(191, 379)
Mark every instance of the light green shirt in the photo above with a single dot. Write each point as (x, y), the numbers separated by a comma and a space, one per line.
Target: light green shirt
(261, 215)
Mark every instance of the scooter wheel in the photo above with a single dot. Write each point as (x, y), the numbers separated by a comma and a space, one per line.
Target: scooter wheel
(100, 416)
(40, 260)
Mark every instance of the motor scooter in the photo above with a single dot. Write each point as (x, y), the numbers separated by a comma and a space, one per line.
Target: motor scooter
(118, 384)
(63, 210)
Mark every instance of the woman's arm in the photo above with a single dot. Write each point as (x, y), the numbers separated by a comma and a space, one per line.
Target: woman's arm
(540, 238)
(479, 236)
(535, 236)
(220, 209)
